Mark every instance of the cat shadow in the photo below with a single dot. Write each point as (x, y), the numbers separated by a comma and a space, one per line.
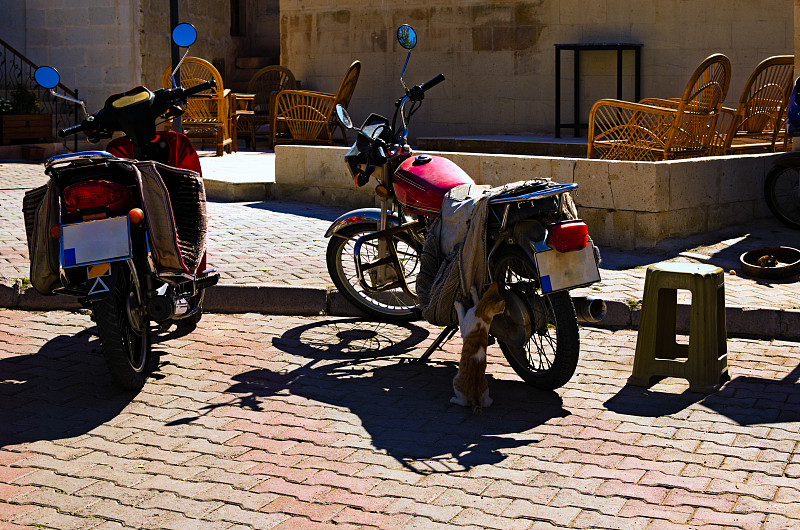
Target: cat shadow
(62, 391)
(403, 406)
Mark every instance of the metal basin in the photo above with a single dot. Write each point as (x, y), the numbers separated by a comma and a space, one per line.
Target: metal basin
(772, 263)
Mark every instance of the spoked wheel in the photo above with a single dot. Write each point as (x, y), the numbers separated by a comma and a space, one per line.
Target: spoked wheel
(548, 358)
(125, 335)
(394, 304)
(782, 192)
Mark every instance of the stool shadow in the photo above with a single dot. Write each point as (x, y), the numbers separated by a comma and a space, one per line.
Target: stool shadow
(746, 400)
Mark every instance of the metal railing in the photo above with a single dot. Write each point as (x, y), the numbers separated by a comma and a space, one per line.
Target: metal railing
(16, 78)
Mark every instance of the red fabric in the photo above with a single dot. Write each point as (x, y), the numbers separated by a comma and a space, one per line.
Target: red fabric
(181, 151)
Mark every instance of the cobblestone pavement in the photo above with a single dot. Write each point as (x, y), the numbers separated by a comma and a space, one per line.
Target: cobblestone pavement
(301, 422)
(283, 243)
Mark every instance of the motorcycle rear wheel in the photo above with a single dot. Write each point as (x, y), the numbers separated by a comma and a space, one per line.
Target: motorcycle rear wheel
(550, 357)
(393, 305)
(782, 193)
(125, 335)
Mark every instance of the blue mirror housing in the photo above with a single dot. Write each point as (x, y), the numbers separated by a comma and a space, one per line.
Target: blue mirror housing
(406, 36)
(184, 35)
(47, 77)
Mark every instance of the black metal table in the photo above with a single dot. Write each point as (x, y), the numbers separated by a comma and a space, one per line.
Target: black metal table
(619, 47)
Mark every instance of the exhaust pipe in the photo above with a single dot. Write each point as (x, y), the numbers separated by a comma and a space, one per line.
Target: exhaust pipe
(163, 307)
(588, 309)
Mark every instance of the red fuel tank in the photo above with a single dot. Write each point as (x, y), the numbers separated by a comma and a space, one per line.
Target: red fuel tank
(421, 182)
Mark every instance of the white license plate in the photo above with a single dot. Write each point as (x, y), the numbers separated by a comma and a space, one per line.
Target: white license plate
(95, 242)
(566, 270)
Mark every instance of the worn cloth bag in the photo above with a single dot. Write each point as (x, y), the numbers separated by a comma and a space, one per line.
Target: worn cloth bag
(40, 211)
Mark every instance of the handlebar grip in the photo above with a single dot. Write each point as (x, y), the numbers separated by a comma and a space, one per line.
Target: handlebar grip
(202, 87)
(432, 83)
(74, 129)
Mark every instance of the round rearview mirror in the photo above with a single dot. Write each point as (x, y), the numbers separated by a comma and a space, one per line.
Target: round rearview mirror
(406, 36)
(184, 35)
(47, 77)
(344, 117)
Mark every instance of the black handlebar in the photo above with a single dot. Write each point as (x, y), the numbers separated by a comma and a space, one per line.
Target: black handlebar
(75, 129)
(417, 92)
(432, 83)
(202, 87)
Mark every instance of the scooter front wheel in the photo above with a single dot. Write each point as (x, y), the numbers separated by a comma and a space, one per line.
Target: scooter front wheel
(125, 335)
(394, 304)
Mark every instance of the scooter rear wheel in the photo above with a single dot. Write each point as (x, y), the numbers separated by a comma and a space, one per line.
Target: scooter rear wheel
(392, 305)
(549, 358)
(124, 335)
(782, 193)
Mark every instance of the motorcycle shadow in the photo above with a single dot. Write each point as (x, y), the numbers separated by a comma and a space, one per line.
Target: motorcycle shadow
(403, 406)
(61, 391)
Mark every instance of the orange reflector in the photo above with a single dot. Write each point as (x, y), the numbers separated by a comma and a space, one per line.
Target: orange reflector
(55, 231)
(101, 269)
(136, 216)
(382, 192)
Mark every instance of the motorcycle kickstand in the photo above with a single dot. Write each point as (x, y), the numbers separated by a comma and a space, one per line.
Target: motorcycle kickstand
(443, 337)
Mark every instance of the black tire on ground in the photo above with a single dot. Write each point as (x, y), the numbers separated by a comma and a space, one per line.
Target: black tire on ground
(124, 336)
(549, 359)
(393, 305)
(782, 193)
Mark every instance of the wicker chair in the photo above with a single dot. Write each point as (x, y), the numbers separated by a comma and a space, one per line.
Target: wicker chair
(757, 124)
(304, 116)
(265, 84)
(662, 129)
(207, 116)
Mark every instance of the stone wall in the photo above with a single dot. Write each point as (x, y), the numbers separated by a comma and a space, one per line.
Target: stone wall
(626, 204)
(93, 45)
(499, 58)
(109, 46)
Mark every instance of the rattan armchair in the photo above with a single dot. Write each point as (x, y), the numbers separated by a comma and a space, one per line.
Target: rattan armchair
(265, 84)
(757, 124)
(305, 116)
(206, 117)
(662, 129)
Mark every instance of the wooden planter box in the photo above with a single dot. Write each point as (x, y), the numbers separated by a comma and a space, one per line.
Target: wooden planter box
(25, 128)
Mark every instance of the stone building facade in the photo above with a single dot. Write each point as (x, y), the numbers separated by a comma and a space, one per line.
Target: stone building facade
(498, 56)
(105, 46)
(499, 59)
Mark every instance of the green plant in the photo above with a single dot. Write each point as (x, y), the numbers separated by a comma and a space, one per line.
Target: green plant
(21, 101)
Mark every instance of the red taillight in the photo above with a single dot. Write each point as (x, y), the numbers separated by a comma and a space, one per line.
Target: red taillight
(96, 194)
(568, 236)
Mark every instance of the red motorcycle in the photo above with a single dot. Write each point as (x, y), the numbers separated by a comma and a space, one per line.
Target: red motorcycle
(407, 258)
(125, 229)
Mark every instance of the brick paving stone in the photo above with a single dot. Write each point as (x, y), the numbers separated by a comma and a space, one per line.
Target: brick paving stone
(659, 458)
(282, 243)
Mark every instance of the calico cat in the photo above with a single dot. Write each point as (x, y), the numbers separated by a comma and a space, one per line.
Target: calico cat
(470, 384)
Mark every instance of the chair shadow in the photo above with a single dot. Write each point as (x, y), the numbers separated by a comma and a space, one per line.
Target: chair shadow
(744, 399)
(404, 406)
(63, 390)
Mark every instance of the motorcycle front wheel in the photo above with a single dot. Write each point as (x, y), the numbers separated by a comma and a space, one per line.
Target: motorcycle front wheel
(392, 305)
(549, 358)
(782, 193)
(125, 334)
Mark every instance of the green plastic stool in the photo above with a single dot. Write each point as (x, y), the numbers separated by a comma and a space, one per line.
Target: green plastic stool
(704, 361)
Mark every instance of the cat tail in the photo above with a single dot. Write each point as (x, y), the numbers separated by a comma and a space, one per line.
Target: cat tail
(477, 409)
